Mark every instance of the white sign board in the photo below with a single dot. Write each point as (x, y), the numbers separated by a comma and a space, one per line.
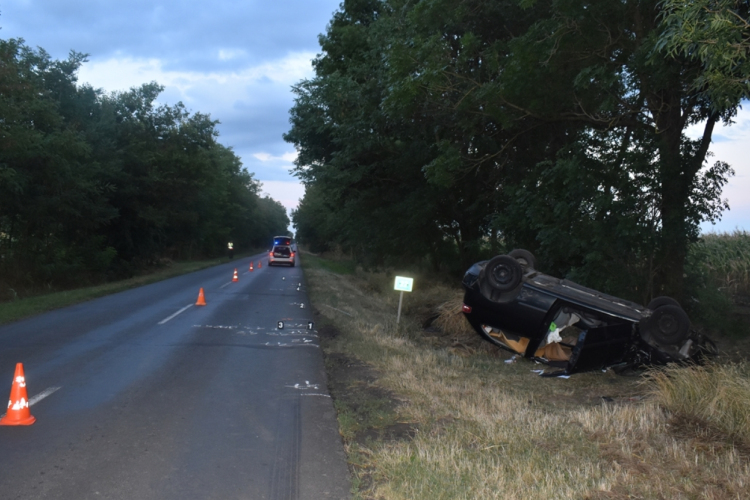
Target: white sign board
(404, 284)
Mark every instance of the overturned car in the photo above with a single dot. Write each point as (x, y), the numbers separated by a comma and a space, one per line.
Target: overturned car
(572, 327)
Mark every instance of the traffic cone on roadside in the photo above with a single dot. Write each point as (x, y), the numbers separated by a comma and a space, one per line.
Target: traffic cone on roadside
(251, 267)
(18, 406)
(235, 278)
(201, 299)
(260, 264)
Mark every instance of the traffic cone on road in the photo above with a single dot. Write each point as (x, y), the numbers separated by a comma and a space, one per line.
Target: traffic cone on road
(251, 267)
(235, 278)
(260, 264)
(18, 406)
(201, 299)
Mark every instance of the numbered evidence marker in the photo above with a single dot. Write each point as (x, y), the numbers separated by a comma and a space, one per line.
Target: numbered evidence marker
(280, 325)
(310, 325)
(402, 285)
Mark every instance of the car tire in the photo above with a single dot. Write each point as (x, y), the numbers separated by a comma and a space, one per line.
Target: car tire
(525, 258)
(667, 325)
(657, 302)
(503, 273)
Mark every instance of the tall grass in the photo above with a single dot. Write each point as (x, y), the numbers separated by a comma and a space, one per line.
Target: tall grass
(725, 259)
(715, 395)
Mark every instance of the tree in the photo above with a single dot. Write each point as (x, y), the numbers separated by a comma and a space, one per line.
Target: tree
(716, 33)
(95, 185)
(550, 82)
(52, 200)
(615, 78)
(552, 125)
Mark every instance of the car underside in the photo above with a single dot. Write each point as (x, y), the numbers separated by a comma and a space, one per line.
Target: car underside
(566, 325)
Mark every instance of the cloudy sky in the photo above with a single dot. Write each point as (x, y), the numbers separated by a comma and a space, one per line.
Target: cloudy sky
(236, 60)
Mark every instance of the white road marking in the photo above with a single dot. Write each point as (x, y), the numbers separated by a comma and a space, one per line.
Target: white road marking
(321, 395)
(225, 284)
(279, 344)
(175, 314)
(46, 392)
(301, 387)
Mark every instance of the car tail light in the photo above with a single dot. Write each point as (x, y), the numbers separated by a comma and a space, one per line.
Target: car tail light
(466, 309)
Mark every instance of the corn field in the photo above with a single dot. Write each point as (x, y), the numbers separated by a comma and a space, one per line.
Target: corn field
(725, 259)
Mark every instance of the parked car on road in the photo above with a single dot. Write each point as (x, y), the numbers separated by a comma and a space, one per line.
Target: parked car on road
(564, 324)
(281, 254)
(282, 240)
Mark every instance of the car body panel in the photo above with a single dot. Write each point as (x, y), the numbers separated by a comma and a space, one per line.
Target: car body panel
(281, 254)
(566, 324)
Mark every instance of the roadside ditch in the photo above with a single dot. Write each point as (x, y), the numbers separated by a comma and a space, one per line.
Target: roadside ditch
(428, 410)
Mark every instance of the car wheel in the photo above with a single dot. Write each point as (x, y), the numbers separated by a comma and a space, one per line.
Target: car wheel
(503, 273)
(668, 324)
(662, 301)
(525, 258)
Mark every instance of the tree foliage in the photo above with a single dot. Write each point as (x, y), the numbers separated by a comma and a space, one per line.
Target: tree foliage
(95, 185)
(460, 128)
(717, 33)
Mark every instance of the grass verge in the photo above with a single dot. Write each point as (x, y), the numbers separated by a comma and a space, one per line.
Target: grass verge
(432, 412)
(22, 308)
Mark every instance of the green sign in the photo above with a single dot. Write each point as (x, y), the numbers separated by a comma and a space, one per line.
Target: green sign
(404, 284)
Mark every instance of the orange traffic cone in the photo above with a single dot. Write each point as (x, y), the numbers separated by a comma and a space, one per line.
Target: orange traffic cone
(18, 406)
(260, 264)
(235, 278)
(251, 267)
(201, 299)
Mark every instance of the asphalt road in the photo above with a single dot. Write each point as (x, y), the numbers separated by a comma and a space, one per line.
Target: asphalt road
(215, 402)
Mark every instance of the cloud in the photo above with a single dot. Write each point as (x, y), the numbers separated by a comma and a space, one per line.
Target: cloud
(729, 144)
(233, 60)
(286, 157)
(229, 54)
(251, 104)
(122, 73)
(187, 34)
(289, 193)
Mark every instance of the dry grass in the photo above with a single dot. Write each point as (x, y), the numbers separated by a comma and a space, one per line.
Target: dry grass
(715, 395)
(489, 429)
(450, 318)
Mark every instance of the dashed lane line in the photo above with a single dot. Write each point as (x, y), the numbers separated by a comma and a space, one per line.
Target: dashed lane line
(46, 392)
(175, 314)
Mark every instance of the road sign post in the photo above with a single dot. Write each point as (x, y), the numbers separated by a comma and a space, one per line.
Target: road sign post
(403, 285)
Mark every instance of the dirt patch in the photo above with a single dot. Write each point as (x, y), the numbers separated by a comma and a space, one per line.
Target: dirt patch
(706, 438)
(328, 332)
(347, 374)
(459, 342)
(394, 432)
